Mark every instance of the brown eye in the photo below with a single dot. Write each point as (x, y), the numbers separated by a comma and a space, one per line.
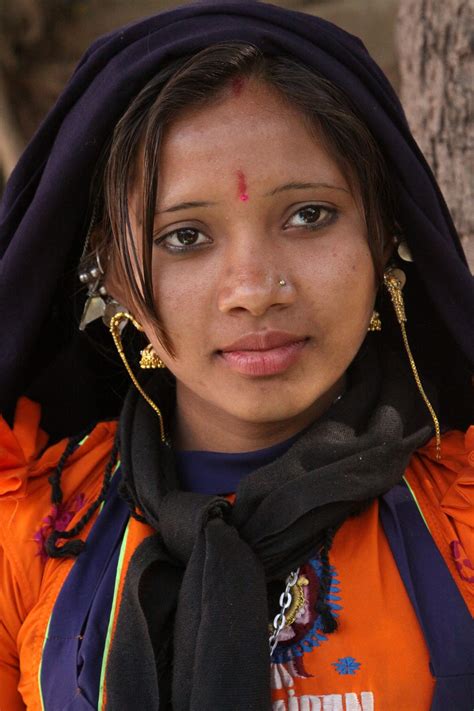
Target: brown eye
(182, 239)
(187, 236)
(312, 215)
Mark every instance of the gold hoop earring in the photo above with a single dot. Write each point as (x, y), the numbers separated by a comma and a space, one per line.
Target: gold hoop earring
(394, 280)
(150, 358)
(375, 323)
(115, 326)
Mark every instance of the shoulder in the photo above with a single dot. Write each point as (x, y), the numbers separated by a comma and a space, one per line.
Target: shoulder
(449, 480)
(26, 460)
(26, 513)
(444, 491)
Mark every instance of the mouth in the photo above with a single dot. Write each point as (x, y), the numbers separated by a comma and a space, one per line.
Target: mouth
(262, 354)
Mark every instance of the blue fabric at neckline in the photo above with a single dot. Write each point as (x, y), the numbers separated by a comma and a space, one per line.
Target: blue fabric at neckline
(222, 472)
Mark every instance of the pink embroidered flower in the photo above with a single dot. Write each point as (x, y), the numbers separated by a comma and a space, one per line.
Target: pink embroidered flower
(58, 519)
(303, 616)
(462, 562)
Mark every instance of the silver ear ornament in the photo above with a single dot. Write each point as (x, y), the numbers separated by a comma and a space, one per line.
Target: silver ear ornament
(404, 251)
(98, 304)
(96, 294)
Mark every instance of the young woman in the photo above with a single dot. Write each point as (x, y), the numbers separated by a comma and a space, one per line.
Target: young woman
(278, 513)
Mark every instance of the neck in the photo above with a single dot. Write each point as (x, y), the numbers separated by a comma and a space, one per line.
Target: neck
(201, 426)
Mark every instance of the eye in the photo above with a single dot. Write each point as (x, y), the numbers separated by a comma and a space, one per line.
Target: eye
(313, 216)
(182, 240)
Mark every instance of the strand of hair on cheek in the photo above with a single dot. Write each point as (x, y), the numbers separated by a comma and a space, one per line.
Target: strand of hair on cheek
(71, 549)
(328, 621)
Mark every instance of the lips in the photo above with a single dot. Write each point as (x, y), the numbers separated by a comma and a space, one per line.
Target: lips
(263, 341)
(265, 353)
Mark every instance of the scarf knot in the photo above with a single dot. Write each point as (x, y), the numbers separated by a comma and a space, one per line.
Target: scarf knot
(219, 508)
(183, 515)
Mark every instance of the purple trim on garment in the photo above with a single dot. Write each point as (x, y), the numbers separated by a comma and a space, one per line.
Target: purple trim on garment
(72, 656)
(447, 625)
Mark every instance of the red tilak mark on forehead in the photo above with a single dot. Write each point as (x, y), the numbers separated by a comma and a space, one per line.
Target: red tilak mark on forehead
(237, 85)
(242, 186)
(243, 195)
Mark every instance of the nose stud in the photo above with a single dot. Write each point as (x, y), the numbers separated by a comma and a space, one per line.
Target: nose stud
(282, 282)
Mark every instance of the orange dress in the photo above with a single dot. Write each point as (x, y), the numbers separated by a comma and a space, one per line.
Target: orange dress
(376, 661)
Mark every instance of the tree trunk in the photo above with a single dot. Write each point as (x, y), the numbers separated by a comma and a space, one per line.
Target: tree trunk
(435, 45)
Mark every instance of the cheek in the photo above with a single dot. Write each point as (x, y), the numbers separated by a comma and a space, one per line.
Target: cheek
(340, 284)
(183, 300)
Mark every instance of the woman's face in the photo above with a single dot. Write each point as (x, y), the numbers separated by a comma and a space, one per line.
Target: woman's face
(263, 276)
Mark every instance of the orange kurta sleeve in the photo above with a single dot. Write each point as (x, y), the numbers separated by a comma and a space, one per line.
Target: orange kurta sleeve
(18, 448)
(11, 612)
(28, 579)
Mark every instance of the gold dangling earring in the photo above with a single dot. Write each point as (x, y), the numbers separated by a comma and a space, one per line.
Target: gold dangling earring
(375, 323)
(394, 280)
(150, 358)
(115, 325)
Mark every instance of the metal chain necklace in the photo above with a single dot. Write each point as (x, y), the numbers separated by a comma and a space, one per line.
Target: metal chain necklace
(286, 598)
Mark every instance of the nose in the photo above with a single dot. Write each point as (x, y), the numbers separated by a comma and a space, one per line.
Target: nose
(254, 283)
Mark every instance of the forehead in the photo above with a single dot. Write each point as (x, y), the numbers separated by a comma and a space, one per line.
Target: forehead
(253, 130)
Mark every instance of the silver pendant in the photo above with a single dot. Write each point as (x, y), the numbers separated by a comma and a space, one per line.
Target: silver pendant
(111, 308)
(94, 309)
(404, 252)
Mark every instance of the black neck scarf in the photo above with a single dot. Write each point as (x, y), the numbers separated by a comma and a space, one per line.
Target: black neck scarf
(195, 594)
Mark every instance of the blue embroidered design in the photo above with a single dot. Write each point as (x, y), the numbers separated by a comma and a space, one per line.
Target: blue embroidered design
(346, 665)
(314, 636)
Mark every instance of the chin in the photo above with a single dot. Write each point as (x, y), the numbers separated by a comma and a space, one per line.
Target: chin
(280, 408)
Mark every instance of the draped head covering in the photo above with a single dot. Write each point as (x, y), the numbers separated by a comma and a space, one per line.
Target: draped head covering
(221, 558)
(44, 211)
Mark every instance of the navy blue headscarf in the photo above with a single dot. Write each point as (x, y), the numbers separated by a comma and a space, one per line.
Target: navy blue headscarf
(45, 208)
(329, 472)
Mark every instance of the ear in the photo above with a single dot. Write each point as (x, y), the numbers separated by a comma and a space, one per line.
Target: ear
(113, 279)
(389, 249)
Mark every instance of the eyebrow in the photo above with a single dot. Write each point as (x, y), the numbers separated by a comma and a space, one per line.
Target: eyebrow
(303, 186)
(275, 191)
(185, 206)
